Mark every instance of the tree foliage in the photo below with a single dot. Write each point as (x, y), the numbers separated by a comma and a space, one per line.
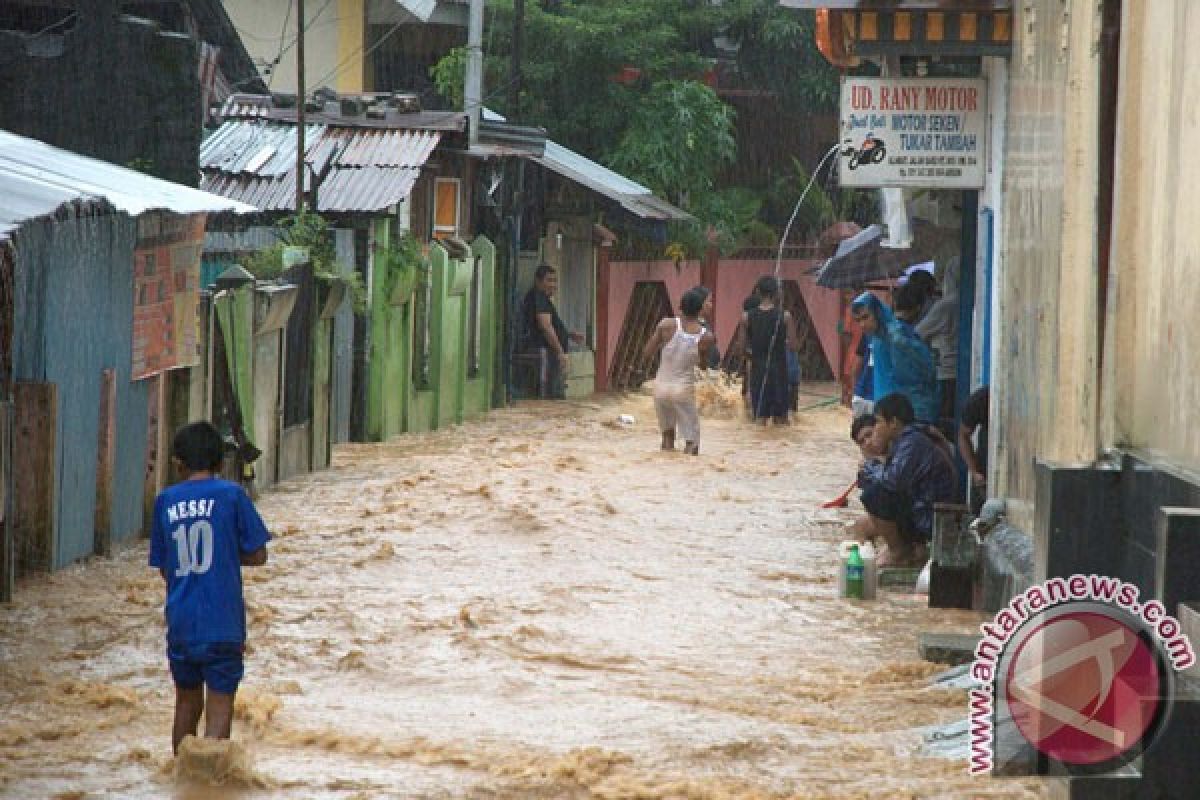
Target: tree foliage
(677, 141)
(621, 81)
(777, 51)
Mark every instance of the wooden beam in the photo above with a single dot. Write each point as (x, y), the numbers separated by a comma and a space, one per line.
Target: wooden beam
(8, 567)
(34, 449)
(106, 457)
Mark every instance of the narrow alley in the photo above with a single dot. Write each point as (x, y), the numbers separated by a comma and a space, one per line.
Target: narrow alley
(539, 604)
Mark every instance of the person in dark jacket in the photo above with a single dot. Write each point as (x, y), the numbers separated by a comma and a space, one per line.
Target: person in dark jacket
(544, 330)
(900, 492)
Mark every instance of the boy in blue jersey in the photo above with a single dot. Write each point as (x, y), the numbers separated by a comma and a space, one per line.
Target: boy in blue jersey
(205, 530)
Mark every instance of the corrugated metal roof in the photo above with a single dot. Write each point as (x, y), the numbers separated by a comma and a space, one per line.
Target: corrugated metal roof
(632, 196)
(359, 169)
(37, 179)
(255, 106)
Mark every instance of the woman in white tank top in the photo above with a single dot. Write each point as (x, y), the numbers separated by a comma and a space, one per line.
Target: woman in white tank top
(684, 343)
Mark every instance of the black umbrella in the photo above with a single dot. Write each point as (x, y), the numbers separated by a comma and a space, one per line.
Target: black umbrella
(863, 258)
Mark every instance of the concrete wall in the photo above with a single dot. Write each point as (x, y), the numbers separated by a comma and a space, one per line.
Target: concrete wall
(391, 347)
(266, 38)
(1045, 379)
(462, 361)
(482, 331)
(119, 91)
(735, 279)
(1152, 356)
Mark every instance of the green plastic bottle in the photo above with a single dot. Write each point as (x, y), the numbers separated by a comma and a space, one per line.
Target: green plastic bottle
(854, 574)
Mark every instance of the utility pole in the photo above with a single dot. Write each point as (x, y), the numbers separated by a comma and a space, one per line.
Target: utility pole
(473, 86)
(514, 70)
(300, 22)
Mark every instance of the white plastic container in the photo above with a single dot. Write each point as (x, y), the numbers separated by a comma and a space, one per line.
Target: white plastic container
(870, 570)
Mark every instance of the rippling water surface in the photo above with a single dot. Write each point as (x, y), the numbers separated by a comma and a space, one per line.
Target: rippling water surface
(539, 604)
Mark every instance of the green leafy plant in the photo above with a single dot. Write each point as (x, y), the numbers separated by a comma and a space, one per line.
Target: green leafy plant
(448, 75)
(824, 204)
(777, 51)
(144, 165)
(723, 218)
(678, 141)
(404, 263)
(312, 232)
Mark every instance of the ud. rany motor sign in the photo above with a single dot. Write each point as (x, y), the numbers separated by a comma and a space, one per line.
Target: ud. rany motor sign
(917, 132)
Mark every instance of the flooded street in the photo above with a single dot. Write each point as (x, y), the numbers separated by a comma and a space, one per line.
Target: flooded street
(539, 604)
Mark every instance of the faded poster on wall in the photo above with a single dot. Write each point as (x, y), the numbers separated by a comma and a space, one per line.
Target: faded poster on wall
(913, 132)
(166, 282)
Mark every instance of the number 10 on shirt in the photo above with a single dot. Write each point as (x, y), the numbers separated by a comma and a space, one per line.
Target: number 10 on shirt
(194, 546)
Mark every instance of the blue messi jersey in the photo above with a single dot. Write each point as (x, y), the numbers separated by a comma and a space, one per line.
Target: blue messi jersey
(201, 528)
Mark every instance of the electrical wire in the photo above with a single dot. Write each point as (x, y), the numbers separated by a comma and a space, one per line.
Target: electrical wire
(778, 263)
(52, 26)
(379, 42)
(283, 49)
(337, 70)
(282, 35)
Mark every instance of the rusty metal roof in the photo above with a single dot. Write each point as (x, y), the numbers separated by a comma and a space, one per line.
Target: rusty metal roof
(37, 179)
(357, 169)
(259, 106)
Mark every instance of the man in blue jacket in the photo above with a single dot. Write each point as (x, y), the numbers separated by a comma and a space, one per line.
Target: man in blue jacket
(900, 492)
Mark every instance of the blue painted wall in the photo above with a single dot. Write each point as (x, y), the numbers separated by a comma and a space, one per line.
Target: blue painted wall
(73, 319)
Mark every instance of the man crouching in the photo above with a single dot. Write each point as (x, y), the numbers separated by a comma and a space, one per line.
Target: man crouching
(900, 492)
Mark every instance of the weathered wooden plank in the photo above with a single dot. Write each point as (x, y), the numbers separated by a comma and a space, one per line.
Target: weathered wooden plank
(35, 444)
(106, 458)
(158, 451)
(8, 569)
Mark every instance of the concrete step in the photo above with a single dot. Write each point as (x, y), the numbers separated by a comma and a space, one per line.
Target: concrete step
(947, 648)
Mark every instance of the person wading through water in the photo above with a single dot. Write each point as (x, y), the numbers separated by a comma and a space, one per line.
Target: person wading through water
(685, 343)
(771, 333)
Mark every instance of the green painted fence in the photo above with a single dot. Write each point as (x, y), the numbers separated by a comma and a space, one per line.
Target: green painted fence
(433, 345)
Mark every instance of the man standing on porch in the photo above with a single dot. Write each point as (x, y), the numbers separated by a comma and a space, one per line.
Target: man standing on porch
(544, 330)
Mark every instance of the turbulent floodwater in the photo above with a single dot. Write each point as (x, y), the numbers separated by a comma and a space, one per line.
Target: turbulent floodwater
(535, 605)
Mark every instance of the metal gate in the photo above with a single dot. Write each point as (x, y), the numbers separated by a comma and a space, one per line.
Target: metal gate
(648, 304)
(814, 366)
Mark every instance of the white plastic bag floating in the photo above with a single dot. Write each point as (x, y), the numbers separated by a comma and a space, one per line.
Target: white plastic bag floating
(626, 419)
(922, 586)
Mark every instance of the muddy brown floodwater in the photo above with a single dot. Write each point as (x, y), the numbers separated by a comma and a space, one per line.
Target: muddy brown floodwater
(539, 604)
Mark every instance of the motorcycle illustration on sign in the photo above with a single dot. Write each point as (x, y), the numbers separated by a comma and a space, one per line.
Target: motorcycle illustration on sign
(871, 151)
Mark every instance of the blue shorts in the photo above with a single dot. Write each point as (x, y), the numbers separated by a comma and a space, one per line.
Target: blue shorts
(217, 665)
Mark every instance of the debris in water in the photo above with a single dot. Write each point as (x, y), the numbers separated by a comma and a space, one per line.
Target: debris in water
(355, 659)
(464, 616)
